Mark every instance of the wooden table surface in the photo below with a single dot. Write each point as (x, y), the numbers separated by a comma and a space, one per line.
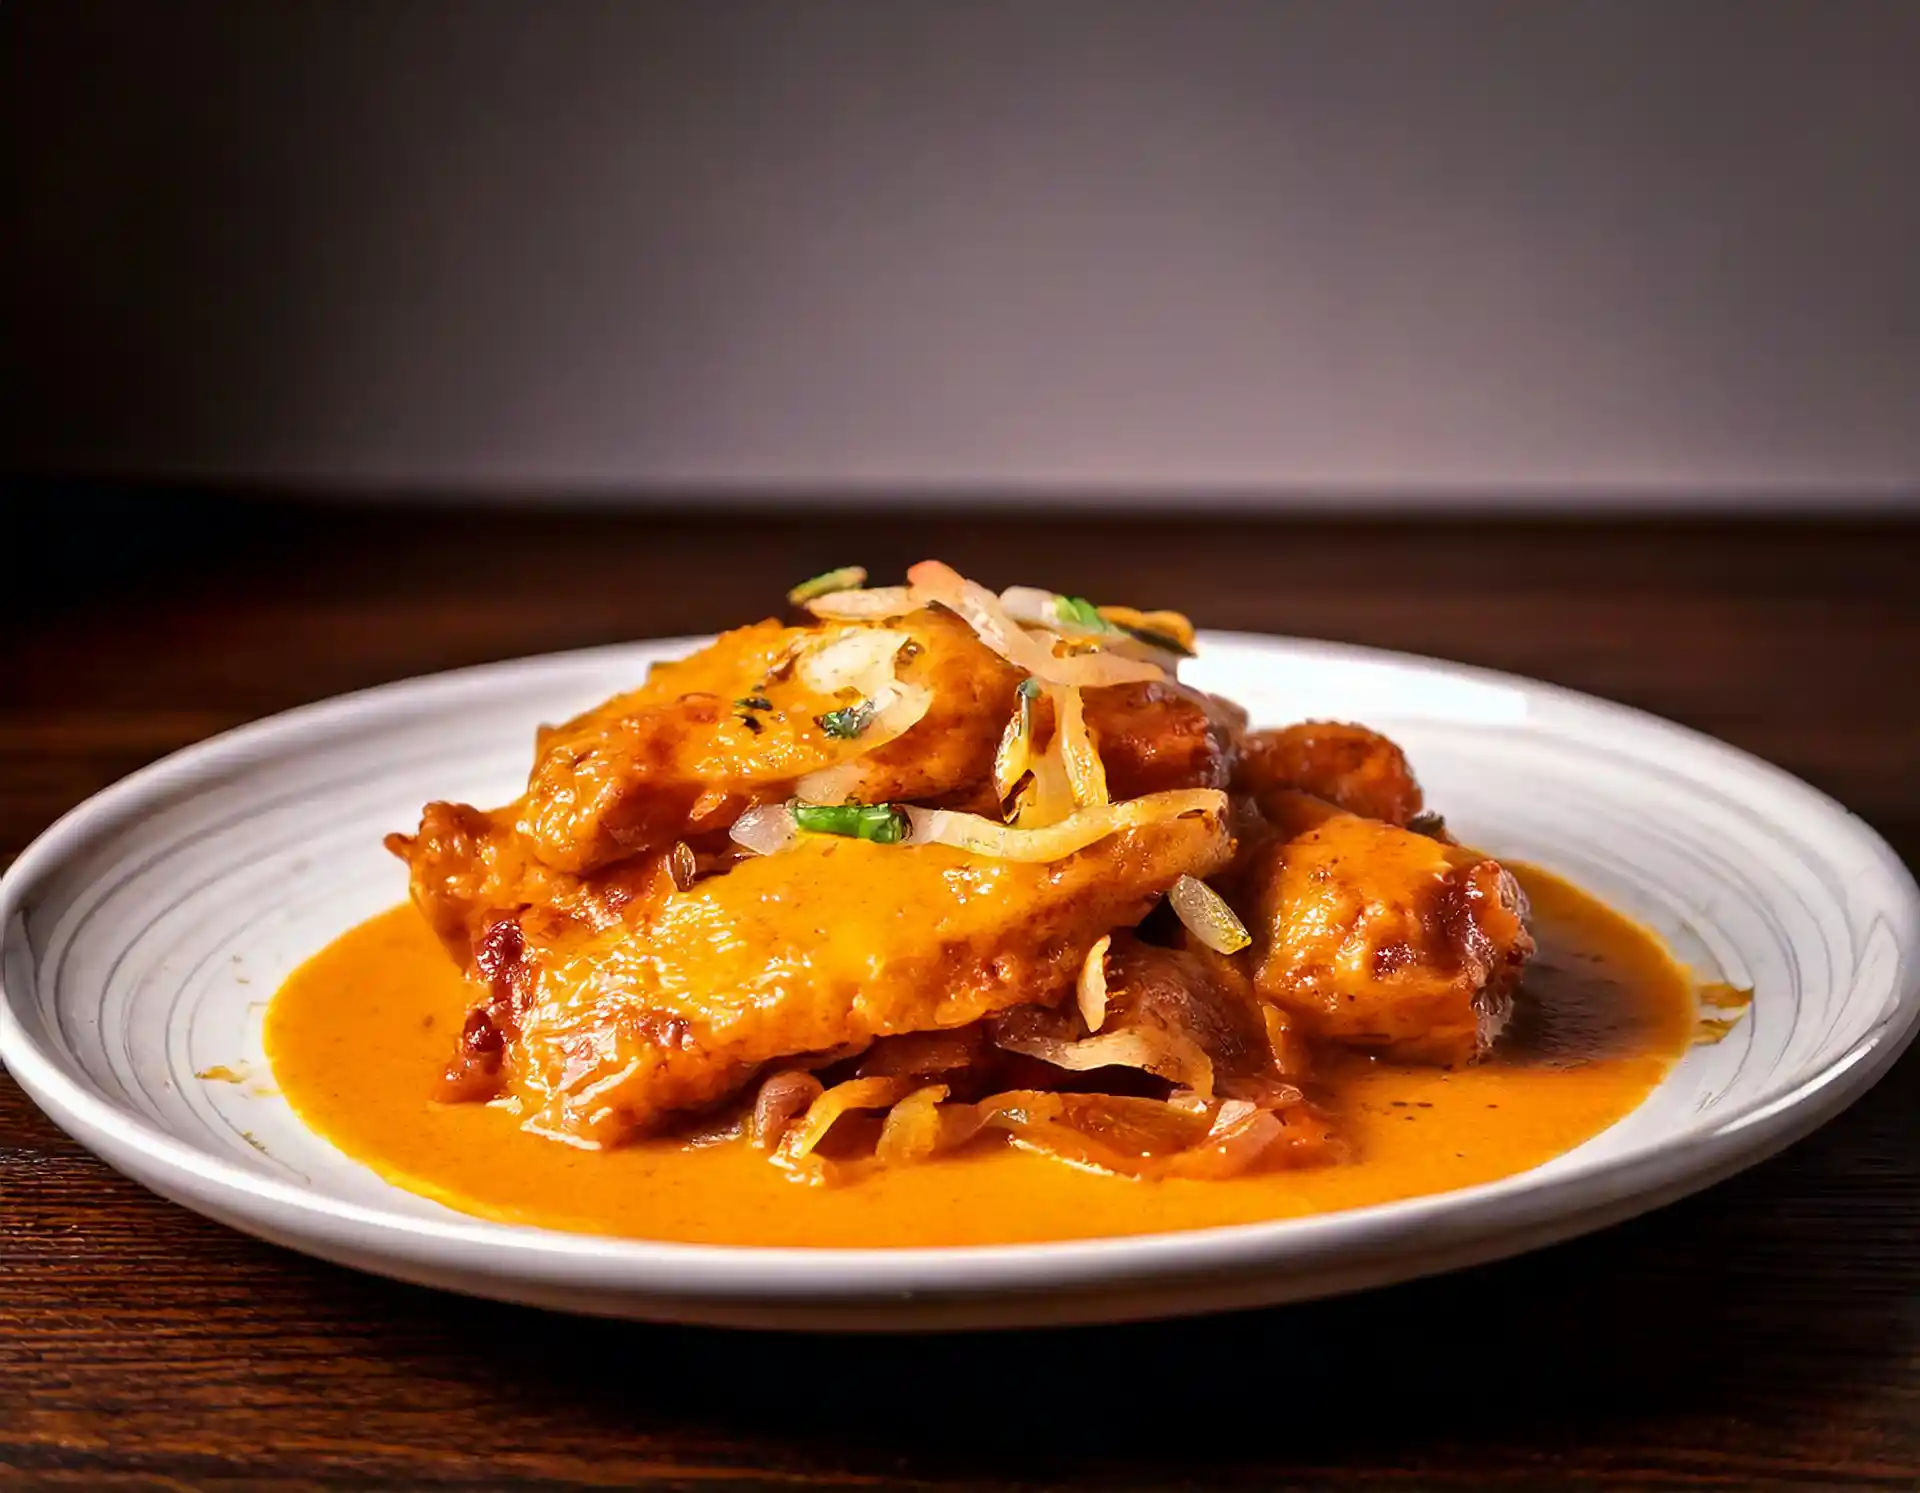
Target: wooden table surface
(1764, 1334)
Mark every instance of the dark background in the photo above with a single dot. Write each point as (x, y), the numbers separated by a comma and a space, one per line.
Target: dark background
(1340, 251)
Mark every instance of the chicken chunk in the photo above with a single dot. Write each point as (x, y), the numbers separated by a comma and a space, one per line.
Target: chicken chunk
(824, 947)
(1360, 770)
(1379, 938)
(1157, 736)
(738, 724)
(470, 866)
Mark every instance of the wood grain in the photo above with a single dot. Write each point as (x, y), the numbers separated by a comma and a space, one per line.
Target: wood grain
(1765, 1334)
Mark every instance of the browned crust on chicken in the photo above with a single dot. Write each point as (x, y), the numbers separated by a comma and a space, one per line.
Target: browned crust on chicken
(1360, 770)
(1386, 940)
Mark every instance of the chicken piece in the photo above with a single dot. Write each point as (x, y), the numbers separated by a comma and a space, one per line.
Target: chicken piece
(1152, 737)
(1379, 938)
(683, 756)
(692, 749)
(468, 867)
(465, 866)
(823, 947)
(1360, 770)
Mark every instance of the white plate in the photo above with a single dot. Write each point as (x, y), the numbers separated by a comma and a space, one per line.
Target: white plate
(143, 933)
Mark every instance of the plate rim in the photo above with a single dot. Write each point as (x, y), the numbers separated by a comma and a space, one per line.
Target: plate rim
(1620, 1186)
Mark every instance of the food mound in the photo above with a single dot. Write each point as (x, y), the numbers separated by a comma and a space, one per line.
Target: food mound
(941, 867)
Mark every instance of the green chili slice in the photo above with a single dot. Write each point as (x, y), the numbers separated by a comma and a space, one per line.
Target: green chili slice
(846, 578)
(881, 823)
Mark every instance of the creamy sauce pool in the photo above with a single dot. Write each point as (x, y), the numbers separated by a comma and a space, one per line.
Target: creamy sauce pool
(360, 1033)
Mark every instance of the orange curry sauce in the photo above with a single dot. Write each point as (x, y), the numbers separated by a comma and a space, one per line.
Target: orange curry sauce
(360, 1033)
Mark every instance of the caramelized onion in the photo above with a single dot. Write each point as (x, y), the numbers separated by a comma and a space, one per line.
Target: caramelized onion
(913, 1128)
(1086, 775)
(1092, 988)
(855, 1093)
(1207, 916)
(930, 581)
(1014, 755)
(1106, 1132)
(1036, 1033)
(970, 832)
(1239, 1139)
(780, 1098)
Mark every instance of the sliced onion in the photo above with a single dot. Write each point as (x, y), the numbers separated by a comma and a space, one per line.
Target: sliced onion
(1125, 645)
(1239, 1140)
(913, 1130)
(930, 581)
(864, 606)
(780, 1098)
(980, 836)
(1169, 1055)
(1086, 775)
(765, 829)
(904, 707)
(1093, 983)
(854, 658)
(1014, 755)
(855, 1093)
(1107, 1132)
(861, 659)
(1033, 607)
(1029, 605)
(1047, 797)
(1207, 917)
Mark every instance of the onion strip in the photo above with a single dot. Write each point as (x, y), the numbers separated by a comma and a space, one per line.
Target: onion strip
(1207, 917)
(904, 707)
(980, 836)
(1093, 983)
(1014, 755)
(1086, 775)
(930, 581)
(855, 1093)
(765, 829)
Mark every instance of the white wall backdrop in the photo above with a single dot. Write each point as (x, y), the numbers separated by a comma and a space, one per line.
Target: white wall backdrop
(1632, 251)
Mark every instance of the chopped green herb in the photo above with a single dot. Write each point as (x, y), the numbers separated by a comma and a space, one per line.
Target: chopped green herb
(1029, 688)
(1080, 612)
(1156, 639)
(754, 702)
(752, 723)
(881, 823)
(849, 721)
(846, 578)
